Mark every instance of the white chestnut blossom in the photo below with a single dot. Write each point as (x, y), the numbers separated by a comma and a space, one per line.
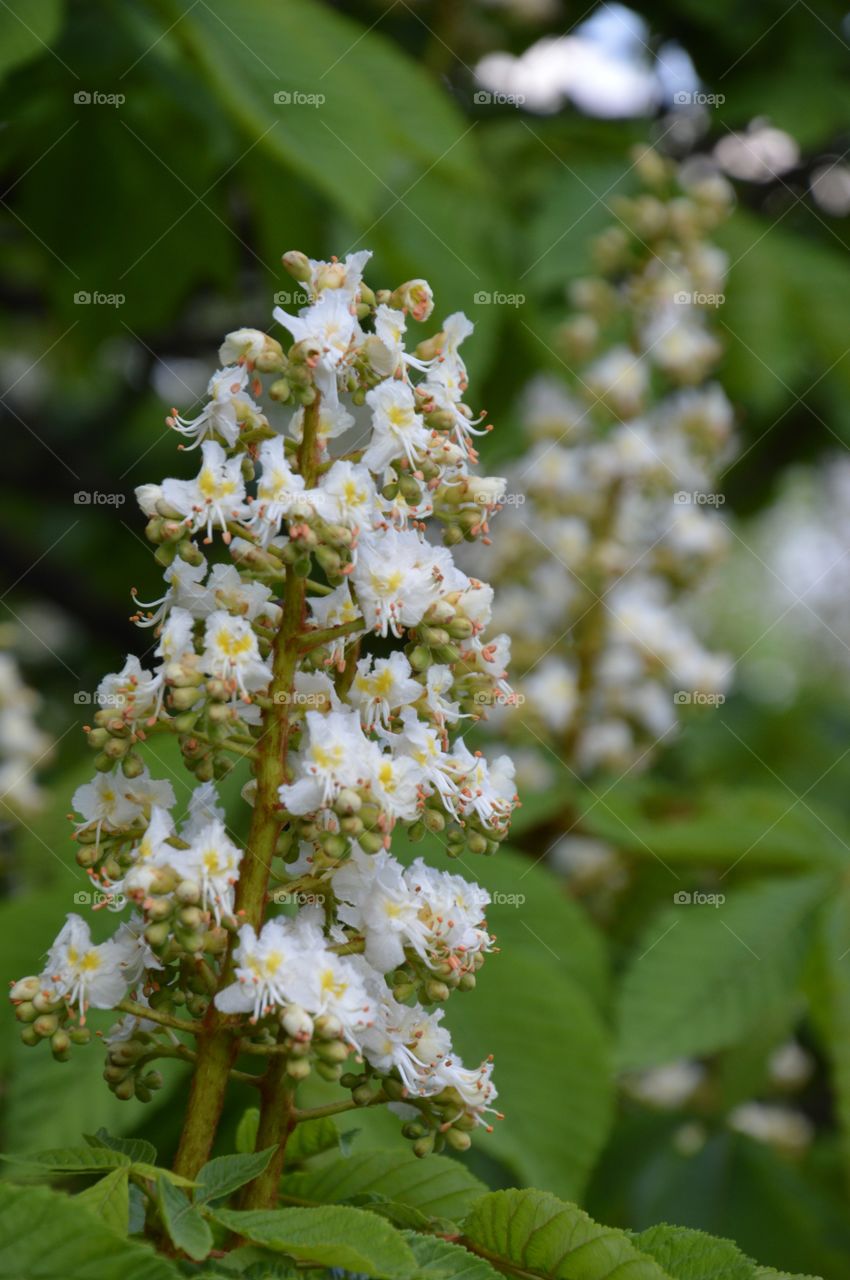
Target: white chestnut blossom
(616, 514)
(325, 646)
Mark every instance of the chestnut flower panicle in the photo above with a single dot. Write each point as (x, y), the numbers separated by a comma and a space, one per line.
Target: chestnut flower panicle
(314, 634)
(616, 515)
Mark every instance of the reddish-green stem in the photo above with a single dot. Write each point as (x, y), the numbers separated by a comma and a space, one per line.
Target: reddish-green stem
(218, 1042)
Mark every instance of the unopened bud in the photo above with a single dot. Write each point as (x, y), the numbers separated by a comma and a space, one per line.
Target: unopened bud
(297, 1022)
(26, 988)
(60, 1045)
(298, 1068)
(298, 265)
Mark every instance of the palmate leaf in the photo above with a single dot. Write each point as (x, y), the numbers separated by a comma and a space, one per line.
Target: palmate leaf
(701, 976)
(44, 1236)
(437, 1187)
(533, 1233)
(330, 1236)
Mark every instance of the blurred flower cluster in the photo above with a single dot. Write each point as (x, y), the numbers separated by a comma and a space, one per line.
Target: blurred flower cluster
(23, 744)
(258, 657)
(612, 513)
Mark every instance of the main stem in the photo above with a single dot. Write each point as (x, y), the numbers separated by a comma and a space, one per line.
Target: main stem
(218, 1039)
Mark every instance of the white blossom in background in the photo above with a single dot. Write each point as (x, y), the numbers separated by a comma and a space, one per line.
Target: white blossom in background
(613, 515)
(24, 746)
(314, 634)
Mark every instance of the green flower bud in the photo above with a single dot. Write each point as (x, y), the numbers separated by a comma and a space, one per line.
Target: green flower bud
(329, 1071)
(298, 265)
(298, 1068)
(457, 1140)
(60, 1046)
(26, 988)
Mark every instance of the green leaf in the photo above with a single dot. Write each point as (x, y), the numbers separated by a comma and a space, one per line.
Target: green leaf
(768, 1273)
(702, 975)
(441, 1260)
(183, 1222)
(136, 1148)
(540, 1235)
(109, 1200)
(311, 1138)
(831, 1002)
(246, 1130)
(695, 1255)
(93, 1160)
(224, 1174)
(333, 1236)
(30, 34)
(73, 1159)
(356, 156)
(531, 907)
(552, 1064)
(438, 1186)
(43, 1236)
(716, 827)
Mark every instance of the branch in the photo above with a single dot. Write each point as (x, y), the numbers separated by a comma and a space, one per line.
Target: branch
(164, 1019)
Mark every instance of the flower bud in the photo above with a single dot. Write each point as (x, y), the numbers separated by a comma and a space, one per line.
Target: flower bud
(329, 1071)
(414, 296)
(296, 1022)
(60, 1046)
(298, 1068)
(25, 988)
(333, 1051)
(328, 1027)
(458, 1140)
(298, 265)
